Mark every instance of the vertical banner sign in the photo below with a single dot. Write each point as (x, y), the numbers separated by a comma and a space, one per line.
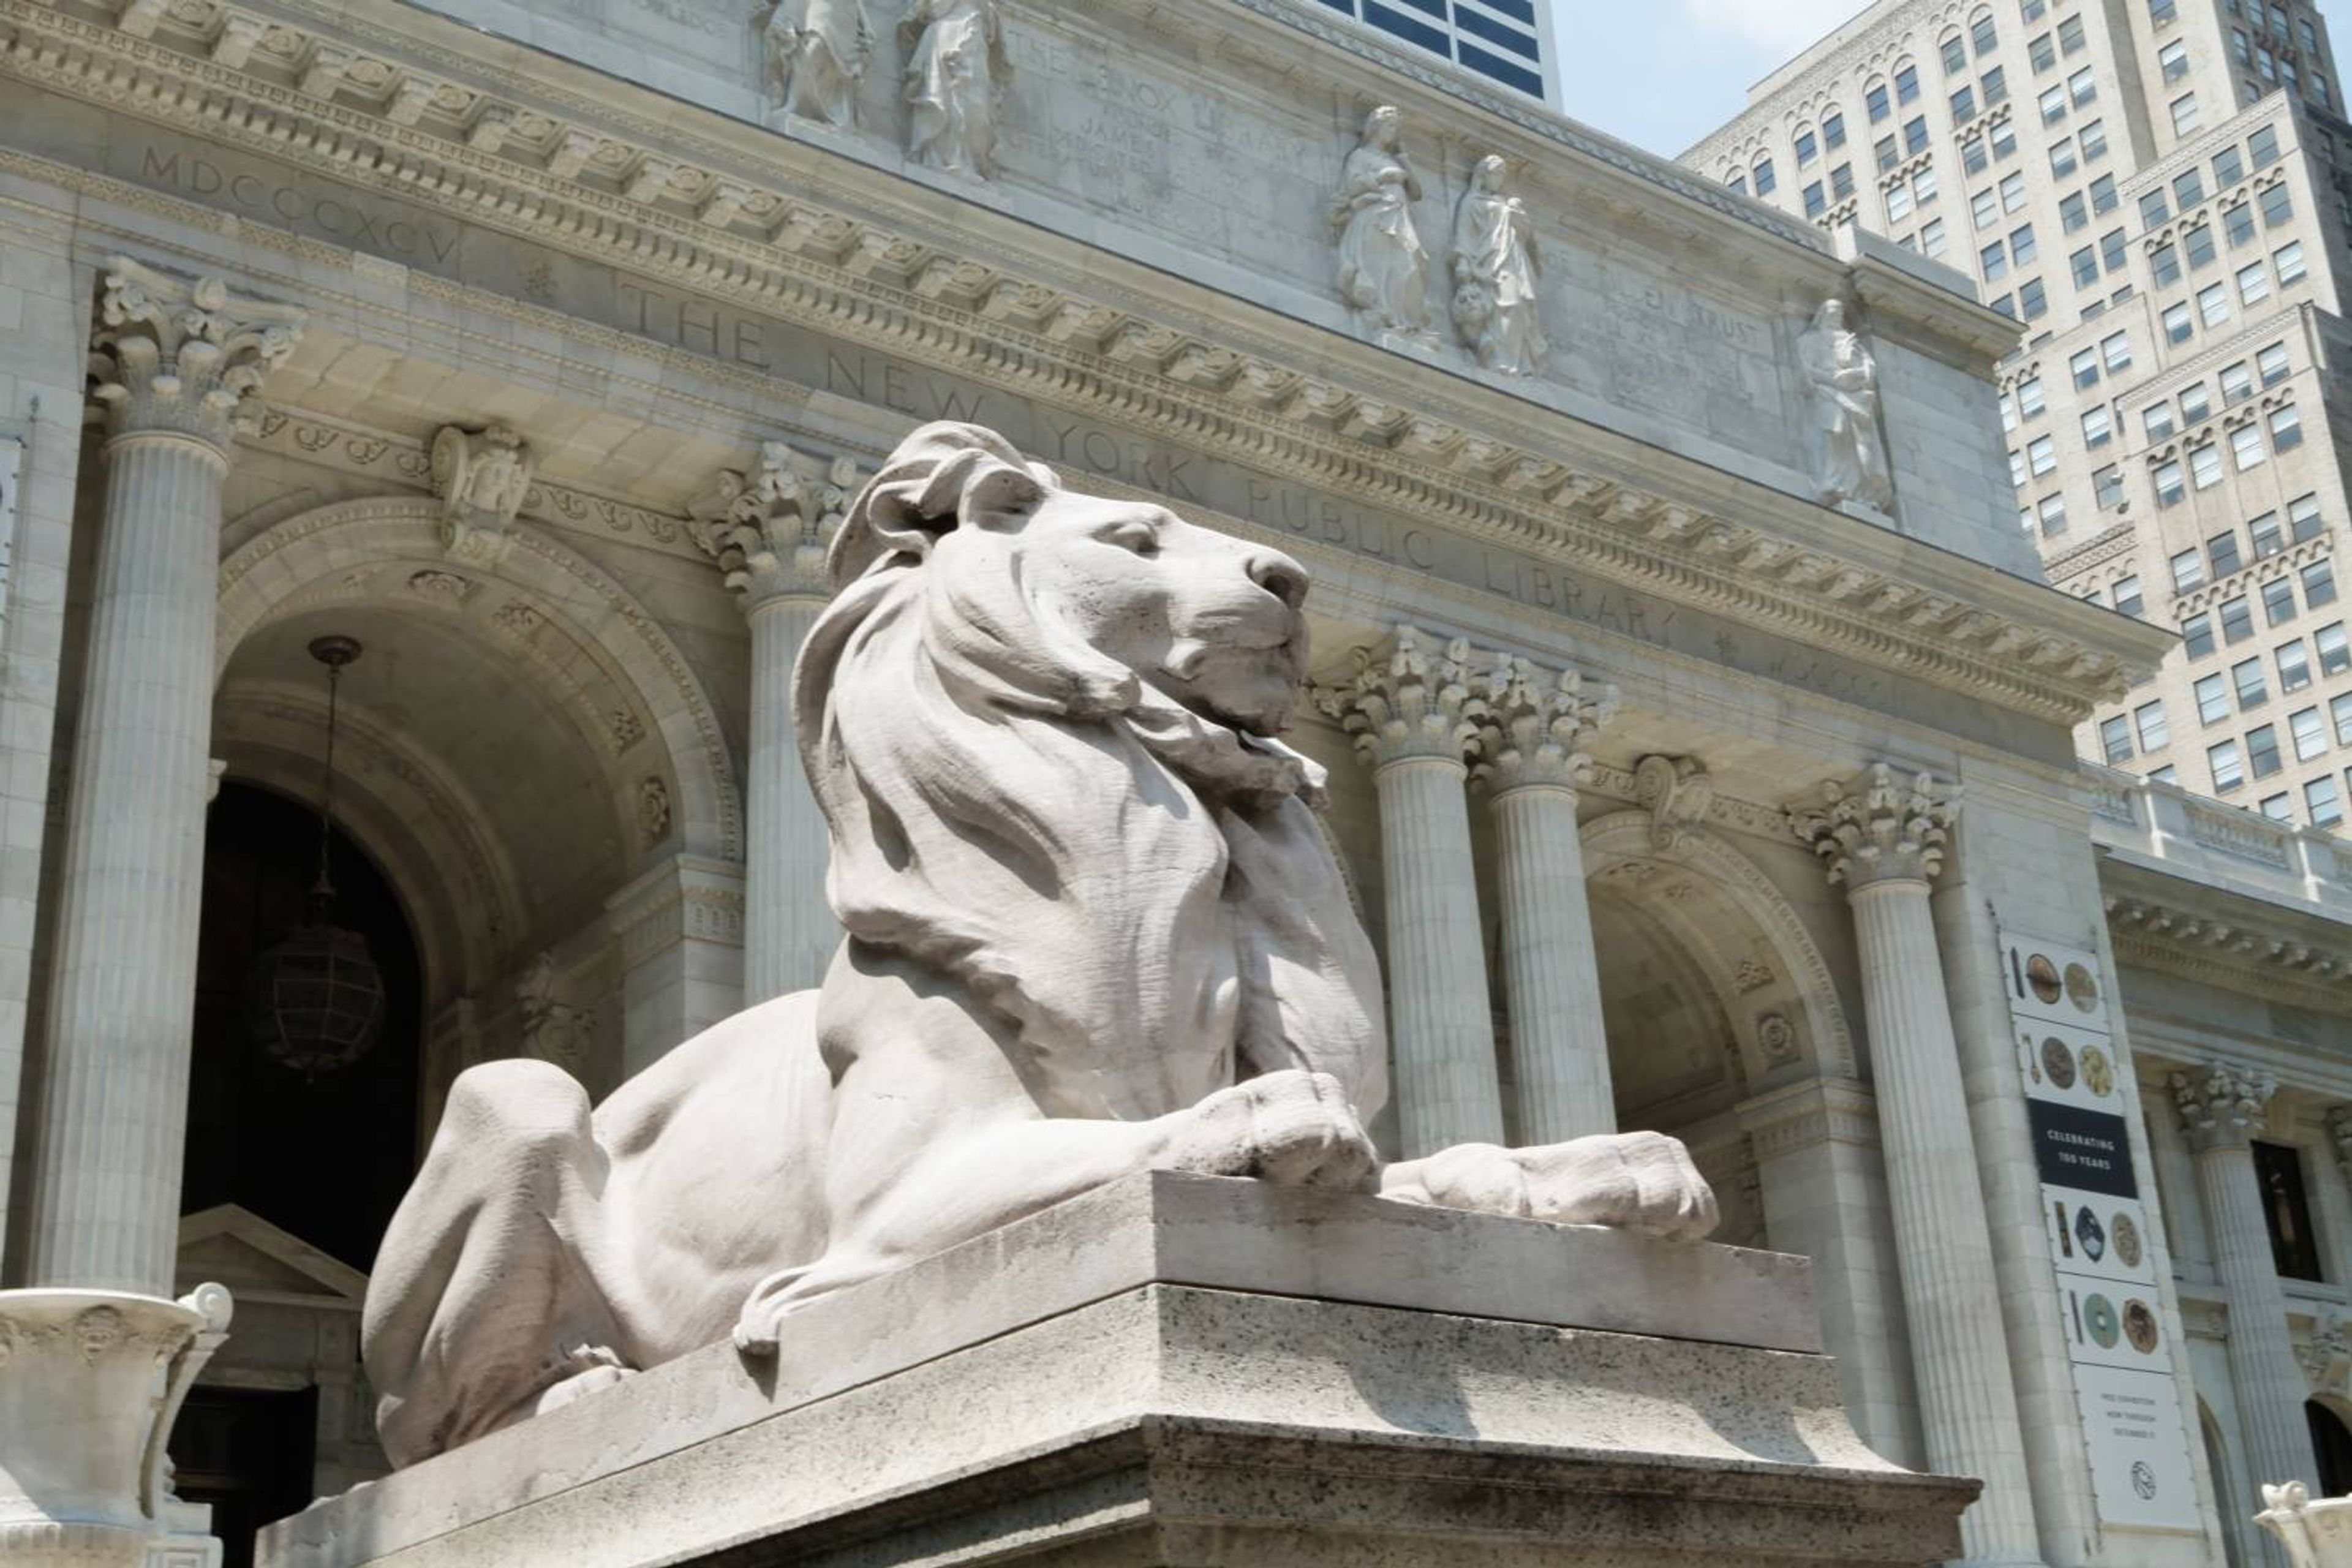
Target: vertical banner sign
(2097, 1229)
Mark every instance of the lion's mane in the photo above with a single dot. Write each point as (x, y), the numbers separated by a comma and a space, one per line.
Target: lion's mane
(1017, 812)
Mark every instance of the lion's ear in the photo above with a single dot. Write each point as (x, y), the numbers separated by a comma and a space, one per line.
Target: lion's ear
(942, 477)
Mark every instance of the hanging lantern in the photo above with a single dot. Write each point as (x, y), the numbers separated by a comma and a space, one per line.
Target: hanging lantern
(315, 1003)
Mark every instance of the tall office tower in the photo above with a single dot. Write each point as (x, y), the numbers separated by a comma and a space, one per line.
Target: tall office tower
(2157, 189)
(1505, 41)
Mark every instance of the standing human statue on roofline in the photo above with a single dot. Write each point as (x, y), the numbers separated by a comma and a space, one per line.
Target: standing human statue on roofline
(1848, 445)
(1383, 267)
(956, 72)
(816, 53)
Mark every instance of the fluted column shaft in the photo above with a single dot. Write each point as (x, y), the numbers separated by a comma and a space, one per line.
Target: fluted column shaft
(1551, 973)
(2222, 1109)
(789, 929)
(769, 532)
(1448, 1088)
(180, 358)
(1884, 842)
(1412, 711)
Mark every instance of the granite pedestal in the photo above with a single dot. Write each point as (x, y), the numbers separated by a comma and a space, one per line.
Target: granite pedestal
(1201, 1371)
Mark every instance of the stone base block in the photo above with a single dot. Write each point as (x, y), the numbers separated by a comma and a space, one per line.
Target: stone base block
(1188, 1370)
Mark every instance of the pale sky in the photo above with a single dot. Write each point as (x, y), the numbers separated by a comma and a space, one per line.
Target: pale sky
(1663, 73)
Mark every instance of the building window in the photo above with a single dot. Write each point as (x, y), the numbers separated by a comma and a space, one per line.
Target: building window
(2277, 203)
(1964, 104)
(2098, 426)
(2180, 326)
(2238, 223)
(2323, 802)
(2168, 487)
(2287, 1208)
(2196, 403)
(2271, 362)
(2128, 597)
(2104, 196)
(1907, 85)
(2084, 86)
(2335, 649)
(2237, 384)
(2286, 428)
(2223, 551)
(2053, 104)
(2278, 808)
(2108, 485)
(2163, 12)
(2278, 601)
(2070, 36)
(2262, 147)
(2289, 257)
(2164, 264)
(2184, 114)
(2012, 193)
(2114, 349)
(1808, 149)
(2174, 60)
(2228, 168)
(2263, 751)
(1915, 134)
(2188, 572)
(1816, 201)
(2040, 455)
(2147, 719)
(2228, 772)
(2268, 539)
(2246, 446)
(2310, 736)
(2340, 710)
(1995, 83)
(2197, 634)
(2114, 740)
(2205, 465)
(1766, 181)
(2294, 666)
(1834, 130)
(2319, 584)
(2304, 521)
(2213, 304)
(2246, 680)
(2212, 700)
(2197, 243)
(1931, 238)
(2053, 512)
(2021, 248)
(2237, 620)
(2042, 52)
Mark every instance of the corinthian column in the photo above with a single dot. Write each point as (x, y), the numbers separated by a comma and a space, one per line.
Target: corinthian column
(1530, 765)
(2223, 1109)
(1884, 842)
(1412, 712)
(769, 532)
(176, 362)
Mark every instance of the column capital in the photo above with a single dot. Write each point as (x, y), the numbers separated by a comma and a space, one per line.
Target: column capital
(1413, 698)
(1533, 723)
(183, 355)
(769, 531)
(2223, 1105)
(1884, 827)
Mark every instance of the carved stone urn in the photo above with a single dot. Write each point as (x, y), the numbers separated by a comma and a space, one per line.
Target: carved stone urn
(90, 1382)
(2317, 1533)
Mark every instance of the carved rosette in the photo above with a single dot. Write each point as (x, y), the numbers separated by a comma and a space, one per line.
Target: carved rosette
(2223, 1105)
(1678, 792)
(770, 532)
(1884, 828)
(184, 356)
(1413, 700)
(1532, 725)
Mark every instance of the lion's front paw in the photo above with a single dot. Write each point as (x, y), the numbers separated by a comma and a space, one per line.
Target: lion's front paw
(1630, 1181)
(1295, 1127)
(1633, 1181)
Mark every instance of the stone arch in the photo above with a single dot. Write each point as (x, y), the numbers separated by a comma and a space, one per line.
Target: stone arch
(337, 554)
(1741, 933)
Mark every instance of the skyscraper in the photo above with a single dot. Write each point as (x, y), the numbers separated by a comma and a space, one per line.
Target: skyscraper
(1507, 41)
(2156, 190)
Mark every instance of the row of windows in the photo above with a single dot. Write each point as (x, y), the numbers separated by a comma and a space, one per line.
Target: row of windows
(2195, 401)
(2212, 302)
(2258, 754)
(2194, 248)
(1477, 32)
(2247, 684)
(2270, 533)
(2248, 450)
(2235, 614)
(2230, 166)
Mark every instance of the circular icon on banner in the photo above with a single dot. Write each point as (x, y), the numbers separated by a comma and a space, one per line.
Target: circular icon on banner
(2099, 1321)
(2144, 1480)
(2098, 1072)
(2139, 1326)
(2087, 1231)
(2081, 989)
(2043, 976)
(2057, 1063)
(2122, 1235)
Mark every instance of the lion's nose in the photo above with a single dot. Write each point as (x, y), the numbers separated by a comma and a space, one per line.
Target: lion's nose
(1279, 576)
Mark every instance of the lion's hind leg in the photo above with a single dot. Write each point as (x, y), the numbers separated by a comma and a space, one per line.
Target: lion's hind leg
(483, 1309)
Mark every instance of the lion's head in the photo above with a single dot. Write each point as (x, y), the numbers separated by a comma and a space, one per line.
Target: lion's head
(1040, 723)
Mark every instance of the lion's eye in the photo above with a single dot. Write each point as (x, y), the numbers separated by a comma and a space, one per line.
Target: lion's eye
(1140, 537)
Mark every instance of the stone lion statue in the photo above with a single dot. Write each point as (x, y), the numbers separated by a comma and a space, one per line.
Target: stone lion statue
(1093, 928)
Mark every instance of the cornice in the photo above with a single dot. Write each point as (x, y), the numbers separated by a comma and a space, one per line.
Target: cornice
(2193, 935)
(2096, 551)
(1719, 543)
